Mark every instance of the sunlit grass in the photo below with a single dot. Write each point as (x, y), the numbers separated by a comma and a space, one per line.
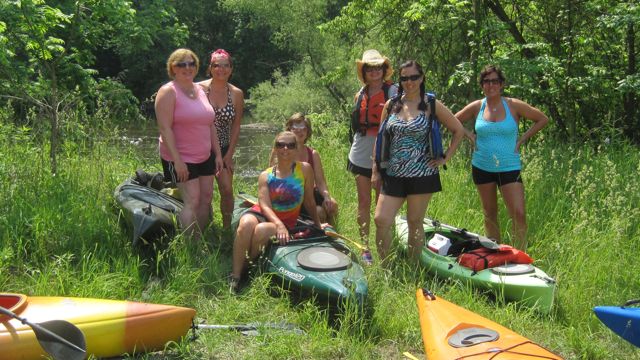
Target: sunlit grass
(59, 235)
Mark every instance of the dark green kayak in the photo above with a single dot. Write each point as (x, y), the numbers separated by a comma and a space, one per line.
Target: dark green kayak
(312, 264)
(147, 212)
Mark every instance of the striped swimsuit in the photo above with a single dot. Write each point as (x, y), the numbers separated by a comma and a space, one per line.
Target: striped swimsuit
(409, 147)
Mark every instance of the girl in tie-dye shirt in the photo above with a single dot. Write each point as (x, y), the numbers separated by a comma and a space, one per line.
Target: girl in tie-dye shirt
(282, 190)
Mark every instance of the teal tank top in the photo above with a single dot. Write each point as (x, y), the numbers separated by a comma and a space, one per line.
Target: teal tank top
(496, 142)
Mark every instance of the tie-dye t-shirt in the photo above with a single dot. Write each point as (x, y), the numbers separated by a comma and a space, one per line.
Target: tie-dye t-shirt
(286, 195)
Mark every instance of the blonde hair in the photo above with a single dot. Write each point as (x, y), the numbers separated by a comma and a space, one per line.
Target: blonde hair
(179, 55)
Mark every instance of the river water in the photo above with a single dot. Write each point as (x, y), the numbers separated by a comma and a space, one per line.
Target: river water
(251, 156)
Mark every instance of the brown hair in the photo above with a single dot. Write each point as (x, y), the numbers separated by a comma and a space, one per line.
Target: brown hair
(299, 117)
(490, 69)
(180, 55)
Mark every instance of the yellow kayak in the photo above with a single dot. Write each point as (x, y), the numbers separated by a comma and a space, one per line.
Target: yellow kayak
(110, 327)
(452, 332)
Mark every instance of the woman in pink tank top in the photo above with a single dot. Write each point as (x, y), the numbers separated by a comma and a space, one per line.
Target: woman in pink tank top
(189, 148)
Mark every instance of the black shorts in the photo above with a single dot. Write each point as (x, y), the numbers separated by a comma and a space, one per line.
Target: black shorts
(501, 178)
(206, 168)
(405, 186)
(357, 170)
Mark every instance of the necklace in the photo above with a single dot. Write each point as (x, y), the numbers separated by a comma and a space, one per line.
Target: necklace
(191, 93)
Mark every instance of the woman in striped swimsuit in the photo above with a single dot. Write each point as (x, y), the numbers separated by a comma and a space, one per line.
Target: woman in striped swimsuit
(411, 175)
(228, 103)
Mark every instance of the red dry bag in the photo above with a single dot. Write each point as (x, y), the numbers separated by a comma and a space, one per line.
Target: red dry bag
(483, 258)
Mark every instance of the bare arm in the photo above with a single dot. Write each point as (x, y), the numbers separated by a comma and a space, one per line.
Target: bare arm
(237, 97)
(321, 182)
(524, 110)
(375, 174)
(446, 118)
(467, 113)
(164, 107)
(215, 147)
(309, 201)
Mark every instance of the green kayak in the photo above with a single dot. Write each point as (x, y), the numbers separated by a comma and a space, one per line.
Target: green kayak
(312, 264)
(523, 283)
(149, 213)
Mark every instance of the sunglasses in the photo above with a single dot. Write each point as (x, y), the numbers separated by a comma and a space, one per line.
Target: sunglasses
(185, 64)
(288, 145)
(492, 81)
(373, 68)
(410, 77)
(299, 126)
(224, 66)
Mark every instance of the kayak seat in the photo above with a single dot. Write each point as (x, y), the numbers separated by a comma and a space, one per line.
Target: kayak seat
(513, 269)
(322, 258)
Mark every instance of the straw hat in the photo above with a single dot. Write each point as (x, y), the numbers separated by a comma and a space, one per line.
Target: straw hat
(372, 57)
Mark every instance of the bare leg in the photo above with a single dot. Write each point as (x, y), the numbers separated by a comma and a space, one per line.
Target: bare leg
(363, 186)
(513, 195)
(190, 191)
(416, 209)
(242, 244)
(386, 210)
(203, 211)
(225, 186)
(322, 214)
(261, 235)
(489, 199)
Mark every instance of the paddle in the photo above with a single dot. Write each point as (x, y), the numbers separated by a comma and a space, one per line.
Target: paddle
(252, 329)
(329, 230)
(60, 339)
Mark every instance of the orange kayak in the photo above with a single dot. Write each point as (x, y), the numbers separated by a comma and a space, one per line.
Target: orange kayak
(110, 327)
(452, 332)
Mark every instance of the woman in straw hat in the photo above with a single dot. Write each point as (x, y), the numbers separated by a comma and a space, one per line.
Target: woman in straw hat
(374, 71)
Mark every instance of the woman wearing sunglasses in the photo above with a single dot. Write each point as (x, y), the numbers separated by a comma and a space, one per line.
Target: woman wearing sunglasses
(228, 103)
(412, 175)
(374, 72)
(189, 148)
(496, 157)
(282, 191)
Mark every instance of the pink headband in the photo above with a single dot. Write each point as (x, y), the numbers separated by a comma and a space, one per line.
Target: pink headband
(221, 52)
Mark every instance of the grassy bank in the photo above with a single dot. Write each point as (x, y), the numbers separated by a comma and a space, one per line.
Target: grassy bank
(60, 236)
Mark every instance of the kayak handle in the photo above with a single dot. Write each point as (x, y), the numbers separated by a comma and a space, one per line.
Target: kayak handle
(631, 302)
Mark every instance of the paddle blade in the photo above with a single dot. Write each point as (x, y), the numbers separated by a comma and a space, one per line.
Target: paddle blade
(58, 349)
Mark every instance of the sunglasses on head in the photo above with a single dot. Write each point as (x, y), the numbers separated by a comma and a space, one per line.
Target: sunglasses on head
(410, 77)
(184, 64)
(288, 145)
(492, 81)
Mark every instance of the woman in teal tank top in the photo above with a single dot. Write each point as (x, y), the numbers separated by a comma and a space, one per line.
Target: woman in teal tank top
(496, 157)
(282, 190)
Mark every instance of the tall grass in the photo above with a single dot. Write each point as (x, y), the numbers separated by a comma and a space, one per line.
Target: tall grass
(60, 236)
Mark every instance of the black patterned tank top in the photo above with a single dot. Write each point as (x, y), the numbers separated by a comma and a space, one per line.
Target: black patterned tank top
(224, 119)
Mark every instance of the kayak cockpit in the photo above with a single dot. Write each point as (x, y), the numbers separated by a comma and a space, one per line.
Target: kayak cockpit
(12, 302)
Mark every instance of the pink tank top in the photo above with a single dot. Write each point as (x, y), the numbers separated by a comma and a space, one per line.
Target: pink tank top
(192, 121)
